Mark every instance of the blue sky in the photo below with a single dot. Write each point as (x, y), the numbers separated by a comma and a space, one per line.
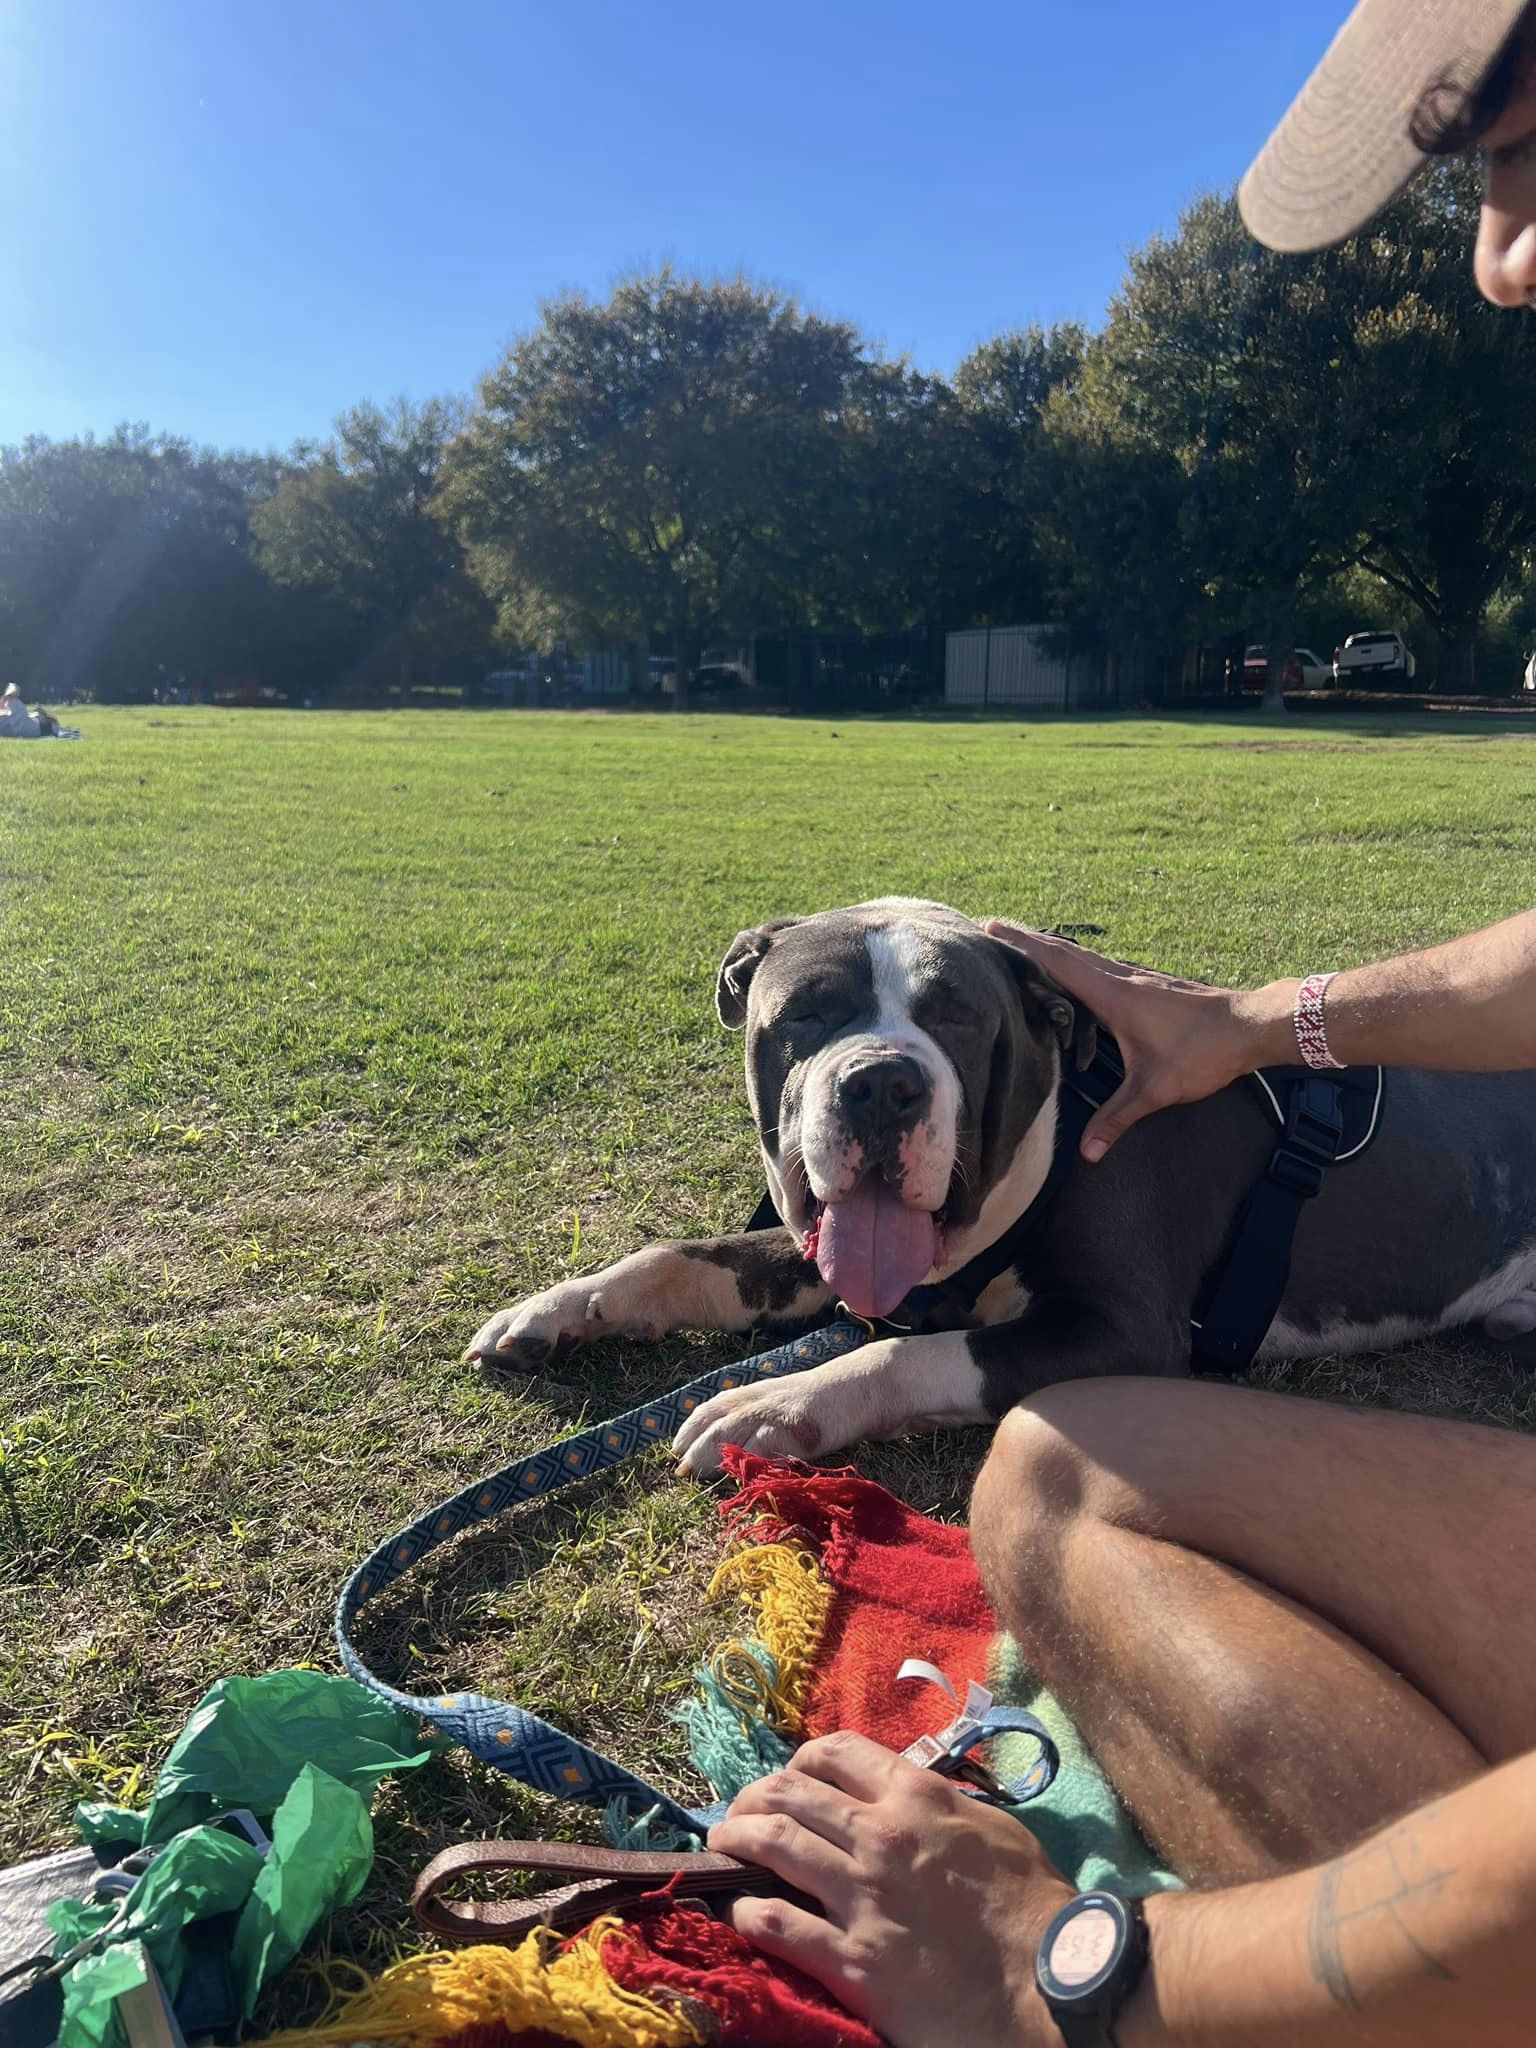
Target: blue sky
(234, 220)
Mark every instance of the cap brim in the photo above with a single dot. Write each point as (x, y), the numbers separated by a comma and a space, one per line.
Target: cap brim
(1345, 148)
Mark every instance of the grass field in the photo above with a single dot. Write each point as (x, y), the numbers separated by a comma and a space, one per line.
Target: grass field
(323, 1035)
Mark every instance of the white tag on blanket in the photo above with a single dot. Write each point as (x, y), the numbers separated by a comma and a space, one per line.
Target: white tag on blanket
(927, 1749)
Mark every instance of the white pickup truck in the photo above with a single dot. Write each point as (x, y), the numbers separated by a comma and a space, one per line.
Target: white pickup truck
(1373, 654)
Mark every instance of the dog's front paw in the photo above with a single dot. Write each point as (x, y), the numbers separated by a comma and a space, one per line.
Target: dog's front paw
(774, 1421)
(532, 1332)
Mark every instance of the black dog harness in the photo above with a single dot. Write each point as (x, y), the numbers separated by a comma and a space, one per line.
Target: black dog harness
(1322, 1120)
(1324, 1117)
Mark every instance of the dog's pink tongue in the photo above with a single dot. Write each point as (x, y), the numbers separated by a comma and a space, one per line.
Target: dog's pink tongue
(872, 1250)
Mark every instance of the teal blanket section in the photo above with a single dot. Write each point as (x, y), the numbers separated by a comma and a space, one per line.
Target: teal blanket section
(1079, 1821)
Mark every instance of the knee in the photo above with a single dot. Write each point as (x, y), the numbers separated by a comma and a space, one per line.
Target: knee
(1041, 1484)
(1049, 1450)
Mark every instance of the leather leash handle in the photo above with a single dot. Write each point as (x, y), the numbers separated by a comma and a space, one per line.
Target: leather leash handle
(604, 1881)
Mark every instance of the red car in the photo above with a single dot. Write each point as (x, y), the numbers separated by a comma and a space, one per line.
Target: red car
(1303, 671)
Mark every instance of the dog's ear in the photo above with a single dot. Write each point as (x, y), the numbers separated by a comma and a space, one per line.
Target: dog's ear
(743, 958)
(1076, 1027)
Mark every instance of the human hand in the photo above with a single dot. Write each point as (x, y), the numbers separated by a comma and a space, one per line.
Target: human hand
(1180, 1040)
(934, 1902)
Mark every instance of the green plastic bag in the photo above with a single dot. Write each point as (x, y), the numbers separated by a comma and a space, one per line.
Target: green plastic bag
(248, 1736)
(91, 1991)
(301, 1751)
(321, 1854)
(110, 1830)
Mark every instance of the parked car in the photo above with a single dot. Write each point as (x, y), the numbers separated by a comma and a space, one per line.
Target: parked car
(1374, 654)
(716, 676)
(710, 678)
(1304, 670)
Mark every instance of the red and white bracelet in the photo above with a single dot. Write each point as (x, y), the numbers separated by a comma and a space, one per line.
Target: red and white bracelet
(1311, 1035)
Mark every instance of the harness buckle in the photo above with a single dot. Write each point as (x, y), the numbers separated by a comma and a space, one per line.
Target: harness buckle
(1297, 1172)
(1314, 1121)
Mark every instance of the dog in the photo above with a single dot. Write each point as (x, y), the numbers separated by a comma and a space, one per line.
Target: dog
(904, 1071)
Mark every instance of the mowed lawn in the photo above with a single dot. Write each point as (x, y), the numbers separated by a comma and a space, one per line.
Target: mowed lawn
(324, 1034)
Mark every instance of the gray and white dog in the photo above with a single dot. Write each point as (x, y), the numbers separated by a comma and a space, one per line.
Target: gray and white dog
(904, 1071)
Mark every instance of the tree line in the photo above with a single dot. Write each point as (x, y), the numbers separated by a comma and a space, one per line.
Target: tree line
(1251, 448)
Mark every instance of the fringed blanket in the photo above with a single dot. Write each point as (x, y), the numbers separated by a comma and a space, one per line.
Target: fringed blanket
(842, 1583)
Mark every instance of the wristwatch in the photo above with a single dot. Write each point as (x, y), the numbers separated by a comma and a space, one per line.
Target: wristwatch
(1089, 1963)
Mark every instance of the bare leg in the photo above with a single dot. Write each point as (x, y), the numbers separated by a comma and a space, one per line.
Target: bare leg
(1278, 1623)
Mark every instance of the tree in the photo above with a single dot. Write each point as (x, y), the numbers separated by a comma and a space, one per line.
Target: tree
(897, 546)
(355, 521)
(1190, 395)
(1108, 528)
(125, 565)
(1003, 389)
(673, 461)
(1443, 391)
(1361, 408)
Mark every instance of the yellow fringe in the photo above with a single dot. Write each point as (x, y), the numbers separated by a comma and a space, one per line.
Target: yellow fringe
(429, 1999)
(790, 1600)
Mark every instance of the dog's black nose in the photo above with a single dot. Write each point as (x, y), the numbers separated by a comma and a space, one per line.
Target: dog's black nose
(883, 1094)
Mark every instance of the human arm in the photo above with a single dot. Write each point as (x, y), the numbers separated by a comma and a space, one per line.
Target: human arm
(934, 1908)
(1468, 1005)
(1423, 1936)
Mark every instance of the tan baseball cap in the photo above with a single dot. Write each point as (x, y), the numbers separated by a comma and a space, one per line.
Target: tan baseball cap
(1345, 147)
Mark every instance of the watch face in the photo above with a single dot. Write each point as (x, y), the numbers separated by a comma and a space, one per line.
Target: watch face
(1085, 1951)
(1085, 1947)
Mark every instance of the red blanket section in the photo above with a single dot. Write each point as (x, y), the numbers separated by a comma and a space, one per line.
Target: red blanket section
(755, 2003)
(906, 1587)
(742, 1999)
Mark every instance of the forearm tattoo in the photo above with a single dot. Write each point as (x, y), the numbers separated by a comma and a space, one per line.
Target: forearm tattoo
(1379, 1887)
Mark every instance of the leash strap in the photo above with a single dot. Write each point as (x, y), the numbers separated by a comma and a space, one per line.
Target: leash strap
(496, 1731)
(532, 1750)
(600, 1880)
(597, 1881)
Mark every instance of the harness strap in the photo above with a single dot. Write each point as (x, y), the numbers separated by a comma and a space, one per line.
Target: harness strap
(765, 1216)
(1244, 1292)
(1320, 1117)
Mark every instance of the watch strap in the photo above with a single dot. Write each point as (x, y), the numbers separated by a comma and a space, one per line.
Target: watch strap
(1084, 2029)
(1085, 2018)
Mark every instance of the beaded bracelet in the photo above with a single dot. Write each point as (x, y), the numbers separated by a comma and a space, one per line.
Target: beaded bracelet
(1311, 1036)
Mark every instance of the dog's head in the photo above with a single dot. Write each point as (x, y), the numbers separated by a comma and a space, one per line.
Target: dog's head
(898, 1061)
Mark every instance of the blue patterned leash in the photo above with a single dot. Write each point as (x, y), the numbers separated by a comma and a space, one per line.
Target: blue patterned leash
(496, 1731)
(532, 1750)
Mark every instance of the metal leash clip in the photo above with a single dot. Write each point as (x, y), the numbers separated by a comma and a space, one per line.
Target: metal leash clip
(948, 1754)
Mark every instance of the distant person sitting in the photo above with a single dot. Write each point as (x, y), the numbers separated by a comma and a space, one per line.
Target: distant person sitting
(16, 721)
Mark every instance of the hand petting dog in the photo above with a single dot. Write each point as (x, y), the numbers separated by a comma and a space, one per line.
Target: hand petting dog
(1180, 1040)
